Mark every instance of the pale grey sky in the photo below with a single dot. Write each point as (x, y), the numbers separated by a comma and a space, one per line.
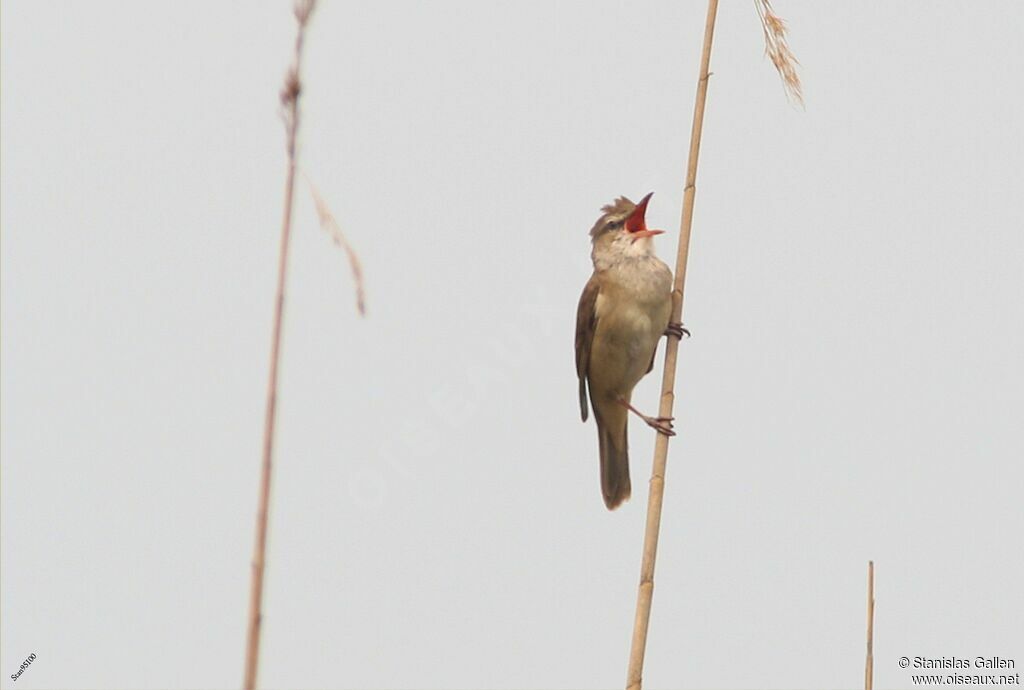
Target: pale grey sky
(853, 389)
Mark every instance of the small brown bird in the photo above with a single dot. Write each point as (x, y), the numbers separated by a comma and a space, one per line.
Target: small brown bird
(623, 312)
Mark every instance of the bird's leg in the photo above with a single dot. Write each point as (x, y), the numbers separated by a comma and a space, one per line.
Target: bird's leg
(663, 425)
(678, 330)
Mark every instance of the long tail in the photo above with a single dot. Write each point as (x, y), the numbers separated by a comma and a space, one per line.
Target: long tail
(614, 448)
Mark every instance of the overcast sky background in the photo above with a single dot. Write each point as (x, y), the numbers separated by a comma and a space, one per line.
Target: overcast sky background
(853, 389)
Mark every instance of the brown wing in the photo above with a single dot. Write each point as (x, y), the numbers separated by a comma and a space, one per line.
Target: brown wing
(586, 322)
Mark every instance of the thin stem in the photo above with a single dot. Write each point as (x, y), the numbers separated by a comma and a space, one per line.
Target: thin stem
(869, 663)
(645, 595)
(252, 650)
(290, 105)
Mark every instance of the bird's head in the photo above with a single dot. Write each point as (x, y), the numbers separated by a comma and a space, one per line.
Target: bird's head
(621, 232)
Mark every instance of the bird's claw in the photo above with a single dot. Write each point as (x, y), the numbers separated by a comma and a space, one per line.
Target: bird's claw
(677, 330)
(663, 425)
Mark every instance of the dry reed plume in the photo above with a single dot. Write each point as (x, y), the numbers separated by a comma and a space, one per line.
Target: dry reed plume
(331, 227)
(777, 50)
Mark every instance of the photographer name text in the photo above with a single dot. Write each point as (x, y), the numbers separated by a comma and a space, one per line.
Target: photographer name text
(957, 662)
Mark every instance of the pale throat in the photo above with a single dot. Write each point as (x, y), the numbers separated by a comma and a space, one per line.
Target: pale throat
(623, 249)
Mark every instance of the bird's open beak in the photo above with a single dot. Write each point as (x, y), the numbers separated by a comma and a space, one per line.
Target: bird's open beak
(636, 226)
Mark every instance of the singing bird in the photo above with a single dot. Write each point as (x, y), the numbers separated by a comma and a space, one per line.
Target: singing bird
(623, 312)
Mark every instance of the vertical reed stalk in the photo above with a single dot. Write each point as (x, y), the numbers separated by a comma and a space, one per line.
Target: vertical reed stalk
(290, 113)
(645, 595)
(869, 663)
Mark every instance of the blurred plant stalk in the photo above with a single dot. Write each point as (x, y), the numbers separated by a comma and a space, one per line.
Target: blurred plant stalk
(290, 113)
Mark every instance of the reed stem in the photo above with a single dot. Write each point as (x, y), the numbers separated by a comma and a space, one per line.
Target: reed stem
(290, 112)
(645, 594)
(869, 663)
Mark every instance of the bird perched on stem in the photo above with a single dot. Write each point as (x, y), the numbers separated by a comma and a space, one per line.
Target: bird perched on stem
(623, 312)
